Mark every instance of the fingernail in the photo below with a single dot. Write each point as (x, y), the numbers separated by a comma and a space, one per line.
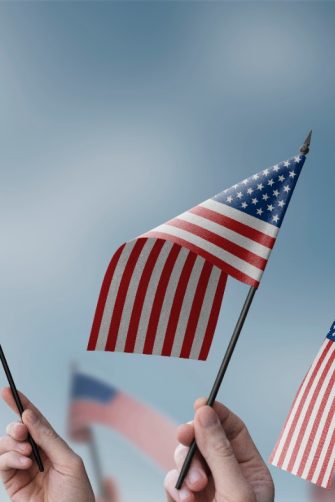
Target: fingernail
(194, 476)
(24, 460)
(208, 417)
(22, 447)
(184, 494)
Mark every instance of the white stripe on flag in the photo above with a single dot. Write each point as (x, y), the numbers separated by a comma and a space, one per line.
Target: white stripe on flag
(168, 300)
(294, 410)
(323, 454)
(247, 219)
(316, 406)
(187, 305)
(241, 265)
(318, 435)
(228, 234)
(131, 294)
(113, 289)
(205, 312)
(303, 412)
(330, 468)
(150, 297)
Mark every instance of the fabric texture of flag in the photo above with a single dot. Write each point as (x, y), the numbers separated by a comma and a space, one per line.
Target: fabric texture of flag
(162, 292)
(306, 446)
(95, 402)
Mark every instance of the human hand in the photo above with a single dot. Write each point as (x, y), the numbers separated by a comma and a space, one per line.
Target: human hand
(227, 467)
(64, 478)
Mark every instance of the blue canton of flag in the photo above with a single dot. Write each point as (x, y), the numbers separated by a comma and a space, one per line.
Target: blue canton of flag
(331, 334)
(265, 195)
(86, 387)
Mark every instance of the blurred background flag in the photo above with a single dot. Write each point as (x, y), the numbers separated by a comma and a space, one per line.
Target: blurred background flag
(306, 446)
(95, 402)
(162, 292)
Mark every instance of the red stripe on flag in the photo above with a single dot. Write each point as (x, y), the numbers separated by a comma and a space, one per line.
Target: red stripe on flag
(159, 298)
(177, 304)
(326, 428)
(140, 295)
(326, 463)
(234, 272)
(103, 298)
(300, 406)
(122, 293)
(309, 412)
(316, 424)
(221, 242)
(196, 309)
(206, 344)
(236, 226)
(273, 453)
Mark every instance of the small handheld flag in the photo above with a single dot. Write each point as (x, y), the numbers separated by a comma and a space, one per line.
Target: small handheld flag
(306, 446)
(162, 292)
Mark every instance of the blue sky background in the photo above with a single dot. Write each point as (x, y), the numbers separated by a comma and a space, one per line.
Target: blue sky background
(116, 117)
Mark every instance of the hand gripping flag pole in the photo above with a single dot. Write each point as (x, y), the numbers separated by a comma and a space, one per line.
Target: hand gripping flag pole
(20, 407)
(229, 352)
(162, 291)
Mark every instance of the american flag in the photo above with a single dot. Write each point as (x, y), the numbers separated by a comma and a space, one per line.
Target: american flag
(162, 292)
(306, 446)
(95, 402)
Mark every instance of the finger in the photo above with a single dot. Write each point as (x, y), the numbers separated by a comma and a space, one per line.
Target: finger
(9, 444)
(236, 431)
(7, 396)
(46, 437)
(196, 478)
(17, 431)
(174, 495)
(13, 460)
(185, 433)
(216, 449)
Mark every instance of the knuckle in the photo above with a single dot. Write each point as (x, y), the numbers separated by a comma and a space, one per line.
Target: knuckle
(222, 448)
(48, 431)
(77, 462)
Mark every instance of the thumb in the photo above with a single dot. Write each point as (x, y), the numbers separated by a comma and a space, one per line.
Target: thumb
(216, 449)
(46, 437)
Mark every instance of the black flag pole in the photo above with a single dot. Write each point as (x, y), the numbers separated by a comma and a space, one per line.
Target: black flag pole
(94, 451)
(96, 463)
(19, 405)
(228, 355)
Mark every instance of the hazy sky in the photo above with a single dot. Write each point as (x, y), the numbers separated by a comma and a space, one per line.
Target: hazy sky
(116, 117)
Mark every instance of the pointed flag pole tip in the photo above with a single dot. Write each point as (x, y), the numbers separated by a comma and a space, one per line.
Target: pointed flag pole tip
(305, 147)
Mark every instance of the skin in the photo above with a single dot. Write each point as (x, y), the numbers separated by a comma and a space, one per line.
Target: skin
(64, 478)
(228, 468)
